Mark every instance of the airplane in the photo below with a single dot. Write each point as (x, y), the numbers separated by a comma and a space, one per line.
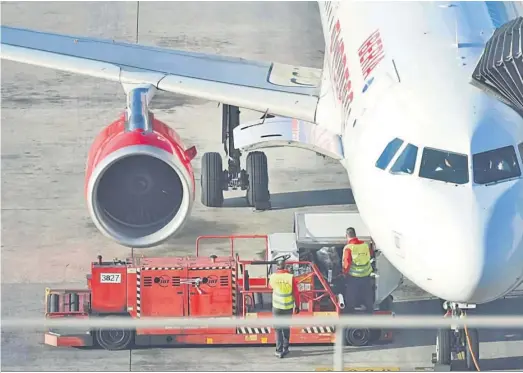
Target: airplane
(409, 101)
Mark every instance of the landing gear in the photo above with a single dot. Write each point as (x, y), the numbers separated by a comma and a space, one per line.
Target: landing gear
(453, 343)
(212, 180)
(258, 187)
(254, 180)
(443, 347)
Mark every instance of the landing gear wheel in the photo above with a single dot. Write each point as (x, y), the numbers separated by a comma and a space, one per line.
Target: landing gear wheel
(474, 346)
(258, 189)
(114, 339)
(443, 346)
(212, 180)
(357, 337)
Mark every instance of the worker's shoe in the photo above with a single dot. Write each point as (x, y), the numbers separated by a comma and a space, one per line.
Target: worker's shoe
(285, 352)
(278, 354)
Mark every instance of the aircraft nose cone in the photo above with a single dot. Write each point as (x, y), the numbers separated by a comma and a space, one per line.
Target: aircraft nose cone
(502, 240)
(447, 255)
(478, 253)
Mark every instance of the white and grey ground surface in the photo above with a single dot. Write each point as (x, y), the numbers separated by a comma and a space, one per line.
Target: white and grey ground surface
(49, 120)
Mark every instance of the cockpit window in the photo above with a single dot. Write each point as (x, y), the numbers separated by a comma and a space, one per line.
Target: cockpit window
(444, 166)
(406, 161)
(389, 153)
(520, 147)
(496, 165)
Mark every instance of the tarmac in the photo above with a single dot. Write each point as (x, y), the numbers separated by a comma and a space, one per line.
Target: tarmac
(49, 120)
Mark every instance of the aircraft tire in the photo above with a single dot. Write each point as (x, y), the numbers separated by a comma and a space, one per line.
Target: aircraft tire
(211, 180)
(258, 195)
(443, 347)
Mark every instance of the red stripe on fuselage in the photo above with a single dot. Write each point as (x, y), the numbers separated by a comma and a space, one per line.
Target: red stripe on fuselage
(340, 72)
(371, 53)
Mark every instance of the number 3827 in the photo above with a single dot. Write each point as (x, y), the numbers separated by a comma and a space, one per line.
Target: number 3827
(111, 278)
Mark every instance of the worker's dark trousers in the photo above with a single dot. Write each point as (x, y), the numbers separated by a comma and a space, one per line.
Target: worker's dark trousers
(358, 291)
(283, 334)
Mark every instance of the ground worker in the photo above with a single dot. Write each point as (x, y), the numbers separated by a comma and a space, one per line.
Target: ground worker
(285, 298)
(357, 270)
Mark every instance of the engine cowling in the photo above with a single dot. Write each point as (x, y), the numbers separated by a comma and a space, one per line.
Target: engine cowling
(139, 182)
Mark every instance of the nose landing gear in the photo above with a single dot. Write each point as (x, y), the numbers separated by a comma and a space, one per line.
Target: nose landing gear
(457, 343)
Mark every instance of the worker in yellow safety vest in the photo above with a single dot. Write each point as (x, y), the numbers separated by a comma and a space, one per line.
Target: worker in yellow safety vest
(357, 270)
(285, 298)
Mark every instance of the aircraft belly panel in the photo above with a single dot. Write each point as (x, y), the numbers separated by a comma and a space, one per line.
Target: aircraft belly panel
(281, 131)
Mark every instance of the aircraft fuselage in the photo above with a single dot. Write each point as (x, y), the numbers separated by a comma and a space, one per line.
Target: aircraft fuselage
(444, 202)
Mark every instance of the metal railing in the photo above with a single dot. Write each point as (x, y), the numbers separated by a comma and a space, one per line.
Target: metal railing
(353, 321)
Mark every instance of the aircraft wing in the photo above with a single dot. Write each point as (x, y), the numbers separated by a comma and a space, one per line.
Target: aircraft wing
(280, 89)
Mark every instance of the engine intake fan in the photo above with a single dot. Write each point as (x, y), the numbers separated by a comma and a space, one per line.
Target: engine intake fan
(499, 71)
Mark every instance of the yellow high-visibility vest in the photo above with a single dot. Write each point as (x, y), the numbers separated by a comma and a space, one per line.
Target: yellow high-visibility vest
(282, 297)
(360, 266)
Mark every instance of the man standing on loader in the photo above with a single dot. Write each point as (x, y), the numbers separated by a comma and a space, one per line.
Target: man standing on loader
(357, 270)
(285, 297)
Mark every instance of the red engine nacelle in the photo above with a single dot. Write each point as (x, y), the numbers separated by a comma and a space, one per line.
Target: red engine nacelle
(139, 183)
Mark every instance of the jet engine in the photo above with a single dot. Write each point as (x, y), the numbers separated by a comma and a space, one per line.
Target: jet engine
(139, 181)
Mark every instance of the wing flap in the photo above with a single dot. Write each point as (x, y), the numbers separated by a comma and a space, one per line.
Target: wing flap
(281, 89)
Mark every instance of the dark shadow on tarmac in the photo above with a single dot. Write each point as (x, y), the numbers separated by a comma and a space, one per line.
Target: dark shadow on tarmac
(407, 337)
(427, 337)
(508, 363)
(308, 198)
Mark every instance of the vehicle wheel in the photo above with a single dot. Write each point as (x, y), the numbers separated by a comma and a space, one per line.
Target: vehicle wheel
(474, 345)
(357, 337)
(443, 346)
(258, 189)
(211, 180)
(114, 339)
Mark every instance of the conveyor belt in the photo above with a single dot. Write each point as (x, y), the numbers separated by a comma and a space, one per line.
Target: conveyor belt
(500, 69)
